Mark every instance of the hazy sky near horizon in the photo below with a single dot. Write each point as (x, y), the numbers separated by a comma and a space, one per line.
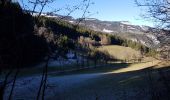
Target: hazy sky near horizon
(106, 10)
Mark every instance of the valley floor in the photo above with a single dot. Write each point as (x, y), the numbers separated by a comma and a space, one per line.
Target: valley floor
(142, 81)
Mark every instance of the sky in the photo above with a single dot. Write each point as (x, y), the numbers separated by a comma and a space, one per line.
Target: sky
(106, 10)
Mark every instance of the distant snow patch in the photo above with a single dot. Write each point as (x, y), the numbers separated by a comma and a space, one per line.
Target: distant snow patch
(51, 16)
(134, 40)
(145, 28)
(126, 22)
(90, 19)
(107, 31)
(154, 38)
(71, 21)
(143, 42)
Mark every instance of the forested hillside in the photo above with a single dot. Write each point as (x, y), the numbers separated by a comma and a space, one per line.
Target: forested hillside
(29, 40)
(48, 57)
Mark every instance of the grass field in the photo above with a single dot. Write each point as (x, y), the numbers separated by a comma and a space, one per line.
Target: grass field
(121, 52)
(146, 80)
(140, 81)
(115, 81)
(118, 52)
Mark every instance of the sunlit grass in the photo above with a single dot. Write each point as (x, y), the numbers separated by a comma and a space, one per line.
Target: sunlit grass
(121, 52)
(135, 67)
(107, 69)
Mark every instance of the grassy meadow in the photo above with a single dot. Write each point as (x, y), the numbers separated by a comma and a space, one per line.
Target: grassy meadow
(121, 52)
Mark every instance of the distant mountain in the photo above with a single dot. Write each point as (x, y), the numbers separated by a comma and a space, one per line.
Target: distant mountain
(146, 35)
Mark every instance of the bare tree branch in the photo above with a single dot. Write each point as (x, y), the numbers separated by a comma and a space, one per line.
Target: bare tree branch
(157, 10)
(13, 84)
(5, 82)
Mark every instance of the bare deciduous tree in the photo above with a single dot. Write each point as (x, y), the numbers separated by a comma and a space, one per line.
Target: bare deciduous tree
(157, 10)
(38, 7)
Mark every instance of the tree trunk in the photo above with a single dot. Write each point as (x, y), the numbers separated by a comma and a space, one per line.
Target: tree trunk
(13, 84)
(3, 86)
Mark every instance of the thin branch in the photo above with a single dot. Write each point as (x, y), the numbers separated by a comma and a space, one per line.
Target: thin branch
(2, 88)
(158, 10)
(13, 84)
(45, 79)
(35, 5)
(83, 16)
(41, 84)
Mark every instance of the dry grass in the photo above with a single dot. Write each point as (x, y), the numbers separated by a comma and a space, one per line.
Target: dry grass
(163, 64)
(121, 52)
(138, 66)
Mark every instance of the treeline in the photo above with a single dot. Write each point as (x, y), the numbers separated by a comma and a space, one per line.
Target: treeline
(134, 45)
(87, 37)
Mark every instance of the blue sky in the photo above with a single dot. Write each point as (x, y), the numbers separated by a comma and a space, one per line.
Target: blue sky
(108, 10)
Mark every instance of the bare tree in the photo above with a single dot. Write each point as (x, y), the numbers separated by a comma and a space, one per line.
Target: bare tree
(42, 4)
(43, 81)
(4, 84)
(39, 3)
(156, 10)
(38, 6)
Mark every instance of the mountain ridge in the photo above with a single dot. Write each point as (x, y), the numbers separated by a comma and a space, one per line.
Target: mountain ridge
(146, 35)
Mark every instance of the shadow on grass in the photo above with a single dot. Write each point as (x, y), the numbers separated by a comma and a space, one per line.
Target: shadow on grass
(150, 83)
(145, 84)
(72, 69)
(92, 69)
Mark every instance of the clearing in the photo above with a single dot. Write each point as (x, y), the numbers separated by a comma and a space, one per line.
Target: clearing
(121, 52)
